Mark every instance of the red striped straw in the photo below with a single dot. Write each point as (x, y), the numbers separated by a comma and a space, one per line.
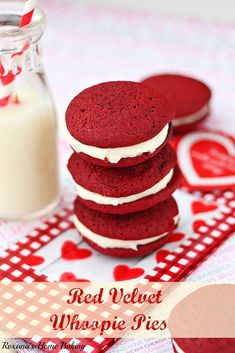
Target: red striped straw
(7, 81)
(27, 16)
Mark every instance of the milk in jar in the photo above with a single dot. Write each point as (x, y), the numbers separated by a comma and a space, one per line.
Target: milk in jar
(29, 182)
(28, 157)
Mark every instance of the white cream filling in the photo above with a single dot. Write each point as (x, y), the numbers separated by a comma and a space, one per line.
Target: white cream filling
(115, 201)
(110, 243)
(177, 348)
(193, 117)
(114, 155)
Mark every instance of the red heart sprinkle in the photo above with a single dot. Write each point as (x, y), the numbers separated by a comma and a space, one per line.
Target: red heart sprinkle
(200, 207)
(161, 255)
(70, 277)
(197, 224)
(124, 272)
(174, 237)
(70, 251)
(34, 260)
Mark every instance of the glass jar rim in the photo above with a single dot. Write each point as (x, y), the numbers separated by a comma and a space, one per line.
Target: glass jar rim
(11, 37)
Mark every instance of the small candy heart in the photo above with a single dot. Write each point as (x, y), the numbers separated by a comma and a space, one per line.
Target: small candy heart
(197, 224)
(34, 260)
(70, 251)
(70, 277)
(161, 255)
(124, 272)
(174, 237)
(201, 207)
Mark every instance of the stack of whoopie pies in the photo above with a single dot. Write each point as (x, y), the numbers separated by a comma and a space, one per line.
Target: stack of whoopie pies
(123, 168)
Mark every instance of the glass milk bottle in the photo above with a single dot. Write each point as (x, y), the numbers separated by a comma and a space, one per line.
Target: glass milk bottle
(29, 184)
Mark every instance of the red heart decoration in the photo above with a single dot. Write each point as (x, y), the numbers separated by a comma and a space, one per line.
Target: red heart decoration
(200, 207)
(207, 160)
(34, 260)
(197, 224)
(161, 255)
(70, 251)
(174, 237)
(124, 272)
(70, 277)
(212, 151)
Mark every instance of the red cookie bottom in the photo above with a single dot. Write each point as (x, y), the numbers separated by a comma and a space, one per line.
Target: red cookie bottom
(129, 253)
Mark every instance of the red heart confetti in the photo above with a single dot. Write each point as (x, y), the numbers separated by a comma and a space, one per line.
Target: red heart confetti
(70, 277)
(197, 224)
(34, 260)
(70, 251)
(174, 237)
(161, 255)
(124, 272)
(201, 207)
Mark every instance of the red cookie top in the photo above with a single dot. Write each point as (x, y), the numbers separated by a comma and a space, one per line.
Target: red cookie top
(117, 114)
(187, 95)
(152, 222)
(122, 182)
